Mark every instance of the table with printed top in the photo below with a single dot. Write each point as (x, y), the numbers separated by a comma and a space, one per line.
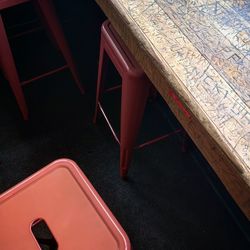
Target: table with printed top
(197, 53)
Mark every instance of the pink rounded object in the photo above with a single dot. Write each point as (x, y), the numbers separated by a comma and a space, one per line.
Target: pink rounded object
(61, 195)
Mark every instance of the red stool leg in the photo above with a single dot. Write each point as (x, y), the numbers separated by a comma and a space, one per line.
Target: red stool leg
(45, 25)
(134, 97)
(50, 18)
(102, 68)
(10, 72)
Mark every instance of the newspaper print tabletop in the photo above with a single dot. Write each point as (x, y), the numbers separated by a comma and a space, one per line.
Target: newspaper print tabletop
(203, 47)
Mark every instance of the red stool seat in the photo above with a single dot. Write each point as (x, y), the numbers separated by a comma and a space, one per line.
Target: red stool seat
(135, 89)
(61, 195)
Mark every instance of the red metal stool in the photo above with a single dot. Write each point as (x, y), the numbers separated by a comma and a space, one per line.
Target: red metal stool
(135, 91)
(7, 64)
(61, 195)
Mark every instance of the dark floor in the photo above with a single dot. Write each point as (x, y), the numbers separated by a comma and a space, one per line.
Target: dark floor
(171, 200)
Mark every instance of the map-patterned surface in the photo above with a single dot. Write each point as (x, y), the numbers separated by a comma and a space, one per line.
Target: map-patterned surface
(203, 46)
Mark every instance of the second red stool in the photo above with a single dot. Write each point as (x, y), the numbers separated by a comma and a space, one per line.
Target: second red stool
(7, 63)
(135, 89)
(61, 197)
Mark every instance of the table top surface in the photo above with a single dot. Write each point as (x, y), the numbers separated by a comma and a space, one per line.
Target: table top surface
(203, 48)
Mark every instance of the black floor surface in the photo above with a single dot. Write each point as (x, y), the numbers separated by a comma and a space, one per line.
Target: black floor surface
(167, 201)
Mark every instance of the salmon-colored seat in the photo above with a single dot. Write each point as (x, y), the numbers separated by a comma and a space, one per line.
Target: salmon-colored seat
(7, 63)
(61, 195)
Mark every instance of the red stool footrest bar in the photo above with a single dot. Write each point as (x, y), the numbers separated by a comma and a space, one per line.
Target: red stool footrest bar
(44, 75)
